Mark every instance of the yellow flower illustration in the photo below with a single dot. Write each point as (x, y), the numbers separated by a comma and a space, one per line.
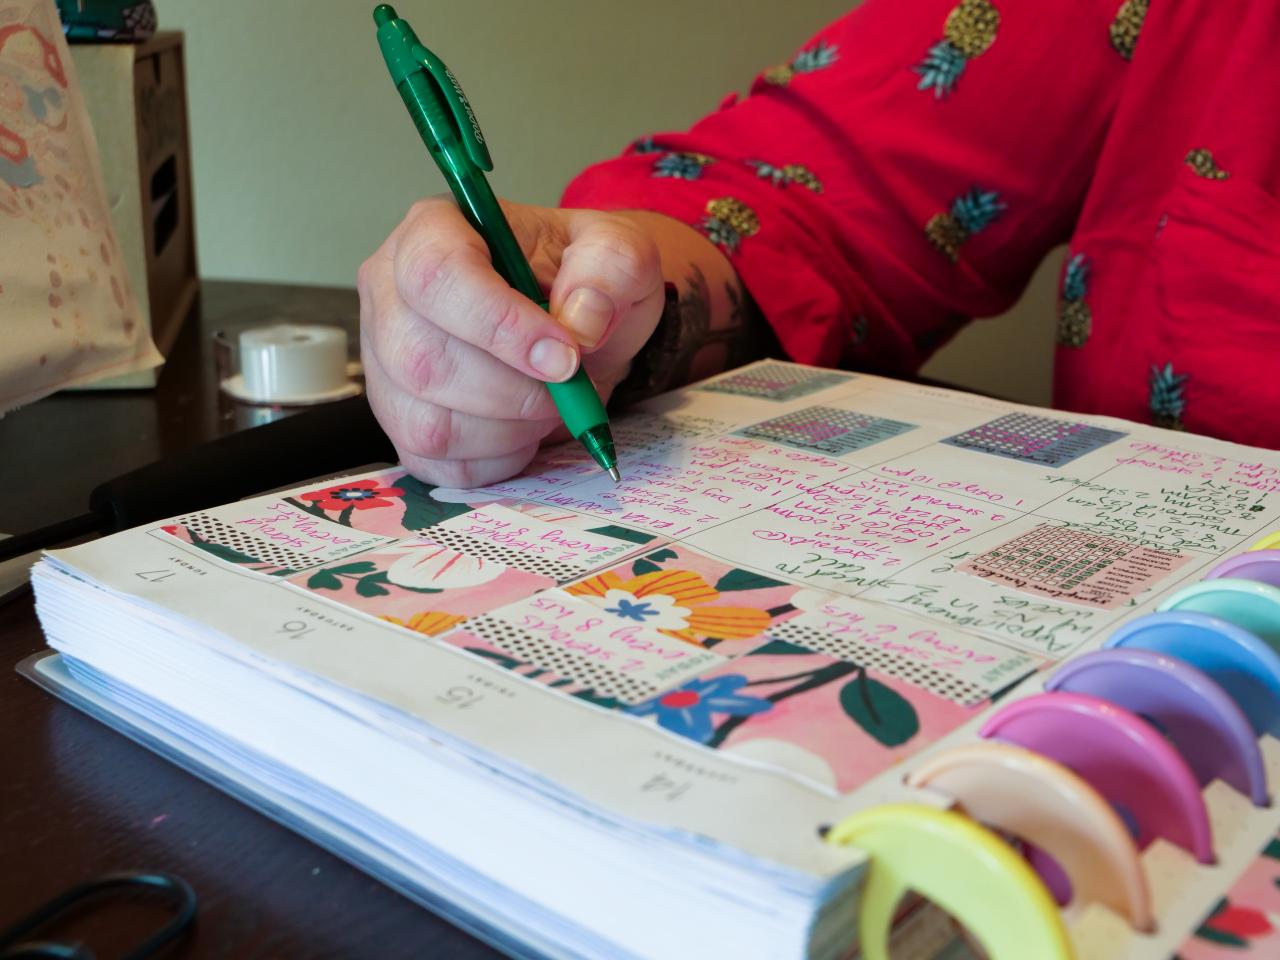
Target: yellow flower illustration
(430, 622)
(678, 603)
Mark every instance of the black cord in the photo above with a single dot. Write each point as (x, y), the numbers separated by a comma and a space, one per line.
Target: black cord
(175, 889)
(50, 536)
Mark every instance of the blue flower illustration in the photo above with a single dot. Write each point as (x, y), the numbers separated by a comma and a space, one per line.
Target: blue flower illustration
(633, 611)
(687, 710)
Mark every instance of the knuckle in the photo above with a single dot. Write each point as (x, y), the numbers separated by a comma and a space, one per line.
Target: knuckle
(423, 274)
(504, 324)
(625, 251)
(433, 433)
(425, 362)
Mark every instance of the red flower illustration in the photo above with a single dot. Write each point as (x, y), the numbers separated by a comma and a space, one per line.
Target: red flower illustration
(361, 494)
(1244, 922)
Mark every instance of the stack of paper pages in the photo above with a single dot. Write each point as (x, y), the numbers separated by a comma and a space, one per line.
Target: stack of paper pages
(588, 720)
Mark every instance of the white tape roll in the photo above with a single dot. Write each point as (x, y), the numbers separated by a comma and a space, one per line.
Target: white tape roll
(292, 362)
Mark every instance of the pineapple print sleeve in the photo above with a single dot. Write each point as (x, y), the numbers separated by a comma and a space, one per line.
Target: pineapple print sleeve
(970, 30)
(1075, 319)
(1127, 26)
(970, 213)
(1167, 402)
(911, 163)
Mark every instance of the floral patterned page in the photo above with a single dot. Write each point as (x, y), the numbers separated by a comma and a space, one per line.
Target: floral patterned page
(283, 534)
(693, 646)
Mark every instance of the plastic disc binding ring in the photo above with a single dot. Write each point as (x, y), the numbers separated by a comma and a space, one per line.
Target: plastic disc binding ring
(290, 364)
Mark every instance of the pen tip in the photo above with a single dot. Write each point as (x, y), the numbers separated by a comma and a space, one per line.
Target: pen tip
(613, 472)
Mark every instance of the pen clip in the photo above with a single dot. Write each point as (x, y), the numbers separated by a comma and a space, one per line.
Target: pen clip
(463, 116)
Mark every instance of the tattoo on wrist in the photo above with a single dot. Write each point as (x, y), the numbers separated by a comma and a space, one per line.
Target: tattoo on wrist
(687, 344)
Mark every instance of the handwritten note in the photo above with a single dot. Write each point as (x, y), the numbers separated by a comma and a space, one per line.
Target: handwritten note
(639, 431)
(1175, 512)
(638, 439)
(284, 525)
(558, 536)
(565, 634)
(850, 532)
(698, 484)
(961, 667)
(1250, 474)
(938, 590)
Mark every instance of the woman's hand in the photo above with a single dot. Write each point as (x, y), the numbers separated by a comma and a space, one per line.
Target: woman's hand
(456, 361)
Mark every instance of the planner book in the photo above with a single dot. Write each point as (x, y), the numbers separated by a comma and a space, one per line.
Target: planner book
(685, 715)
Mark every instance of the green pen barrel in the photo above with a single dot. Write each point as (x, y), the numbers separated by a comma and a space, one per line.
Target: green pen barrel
(580, 405)
(576, 399)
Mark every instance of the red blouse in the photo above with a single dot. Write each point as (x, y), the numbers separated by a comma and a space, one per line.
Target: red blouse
(915, 162)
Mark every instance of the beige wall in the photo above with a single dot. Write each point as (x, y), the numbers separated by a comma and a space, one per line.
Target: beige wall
(304, 158)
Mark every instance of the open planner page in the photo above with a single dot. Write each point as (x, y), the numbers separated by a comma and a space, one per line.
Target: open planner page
(805, 579)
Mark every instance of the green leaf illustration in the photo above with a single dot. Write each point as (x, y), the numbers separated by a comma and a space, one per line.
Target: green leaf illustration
(324, 580)
(223, 552)
(372, 585)
(306, 506)
(589, 695)
(745, 580)
(401, 586)
(622, 533)
(879, 710)
(1222, 937)
(778, 647)
(330, 578)
(420, 510)
(501, 659)
(649, 562)
(358, 566)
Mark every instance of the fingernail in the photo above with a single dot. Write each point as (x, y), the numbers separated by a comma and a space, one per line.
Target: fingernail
(553, 359)
(587, 312)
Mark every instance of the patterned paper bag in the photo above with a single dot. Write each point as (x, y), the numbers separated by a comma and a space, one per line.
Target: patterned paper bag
(67, 313)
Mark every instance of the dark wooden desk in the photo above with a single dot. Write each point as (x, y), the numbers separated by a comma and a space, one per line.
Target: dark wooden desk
(76, 799)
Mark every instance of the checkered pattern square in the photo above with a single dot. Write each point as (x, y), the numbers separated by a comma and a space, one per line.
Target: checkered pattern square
(826, 430)
(777, 381)
(1034, 439)
(1054, 558)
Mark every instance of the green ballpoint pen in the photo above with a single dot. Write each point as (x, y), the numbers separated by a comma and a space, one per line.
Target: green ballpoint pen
(448, 127)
